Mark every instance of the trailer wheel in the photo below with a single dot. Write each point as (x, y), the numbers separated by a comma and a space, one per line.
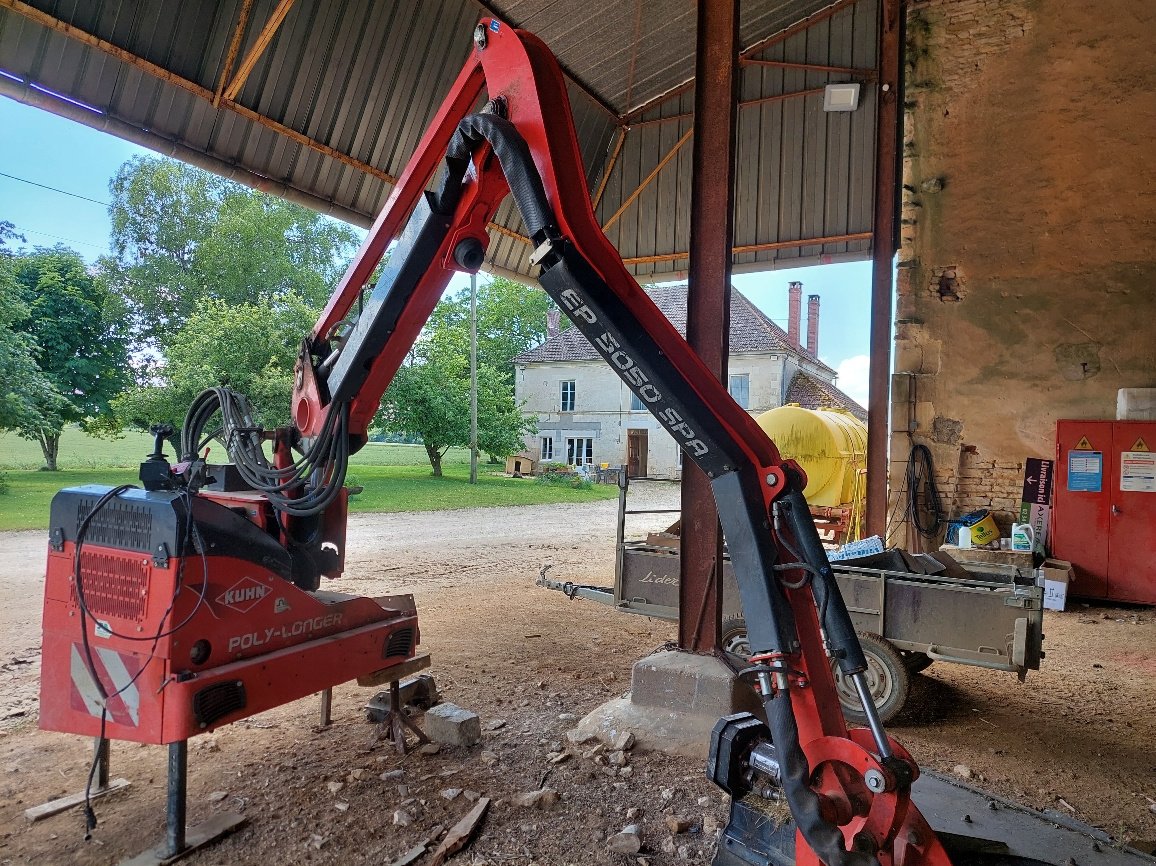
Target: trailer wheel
(887, 678)
(916, 661)
(734, 637)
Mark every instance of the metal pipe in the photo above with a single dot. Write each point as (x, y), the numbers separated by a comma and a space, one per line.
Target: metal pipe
(883, 246)
(474, 378)
(176, 798)
(872, 714)
(708, 302)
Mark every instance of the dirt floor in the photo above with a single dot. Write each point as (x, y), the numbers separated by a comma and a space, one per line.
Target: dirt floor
(1076, 738)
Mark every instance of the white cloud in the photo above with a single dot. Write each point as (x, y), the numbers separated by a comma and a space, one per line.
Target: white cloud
(853, 377)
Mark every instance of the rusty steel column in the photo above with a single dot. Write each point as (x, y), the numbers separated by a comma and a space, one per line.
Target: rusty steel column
(708, 301)
(883, 247)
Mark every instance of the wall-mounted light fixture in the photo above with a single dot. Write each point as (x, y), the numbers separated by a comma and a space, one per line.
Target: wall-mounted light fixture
(841, 97)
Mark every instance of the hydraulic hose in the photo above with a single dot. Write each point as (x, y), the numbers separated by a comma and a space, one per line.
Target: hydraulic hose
(517, 165)
(825, 839)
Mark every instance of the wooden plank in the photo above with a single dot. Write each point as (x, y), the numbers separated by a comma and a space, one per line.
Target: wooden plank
(392, 674)
(62, 804)
(195, 837)
(461, 833)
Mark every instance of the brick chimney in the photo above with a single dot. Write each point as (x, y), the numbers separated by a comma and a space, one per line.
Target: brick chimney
(794, 311)
(553, 322)
(813, 325)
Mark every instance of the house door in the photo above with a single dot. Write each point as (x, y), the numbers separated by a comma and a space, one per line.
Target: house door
(636, 446)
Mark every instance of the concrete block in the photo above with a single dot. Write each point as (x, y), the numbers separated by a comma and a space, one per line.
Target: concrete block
(689, 683)
(453, 726)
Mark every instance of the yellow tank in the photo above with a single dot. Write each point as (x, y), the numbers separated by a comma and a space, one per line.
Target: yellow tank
(831, 447)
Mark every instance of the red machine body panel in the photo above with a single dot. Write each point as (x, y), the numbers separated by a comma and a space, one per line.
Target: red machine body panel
(235, 638)
(1107, 530)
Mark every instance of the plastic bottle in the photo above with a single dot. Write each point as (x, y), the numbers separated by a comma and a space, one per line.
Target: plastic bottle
(1023, 537)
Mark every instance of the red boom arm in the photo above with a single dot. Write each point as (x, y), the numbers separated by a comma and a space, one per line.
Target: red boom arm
(849, 791)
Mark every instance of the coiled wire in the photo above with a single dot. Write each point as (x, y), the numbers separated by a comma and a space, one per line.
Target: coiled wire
(304, 488)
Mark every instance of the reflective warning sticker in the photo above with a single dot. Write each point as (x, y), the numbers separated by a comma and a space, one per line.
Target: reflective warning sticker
(115, 671)
(1083, 444)
(1140, 445)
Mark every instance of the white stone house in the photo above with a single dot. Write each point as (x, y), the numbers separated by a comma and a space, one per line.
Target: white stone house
(587, 416)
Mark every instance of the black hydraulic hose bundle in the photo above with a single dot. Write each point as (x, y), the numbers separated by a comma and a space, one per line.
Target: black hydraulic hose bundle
(304, 488)
(517, 165)
(924, 507)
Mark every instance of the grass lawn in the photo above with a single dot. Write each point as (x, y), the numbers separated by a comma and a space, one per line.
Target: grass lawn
(387, 488)
(78, 451)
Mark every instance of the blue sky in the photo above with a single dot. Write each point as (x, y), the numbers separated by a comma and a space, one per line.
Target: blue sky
(40, 148)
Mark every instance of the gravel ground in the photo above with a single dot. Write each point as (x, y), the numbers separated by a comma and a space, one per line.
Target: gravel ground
(1076, 737)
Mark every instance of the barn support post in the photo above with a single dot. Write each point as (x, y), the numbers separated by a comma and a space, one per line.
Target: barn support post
(883, 246)
(708, 302)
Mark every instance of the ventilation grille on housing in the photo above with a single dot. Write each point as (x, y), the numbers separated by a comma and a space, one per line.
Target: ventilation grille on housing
(400, 644)
(217, 701)
(114, 585)
(117, 524)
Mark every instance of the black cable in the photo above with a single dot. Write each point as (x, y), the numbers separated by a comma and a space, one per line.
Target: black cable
(924, 507)
(191, 534)
(304, 488)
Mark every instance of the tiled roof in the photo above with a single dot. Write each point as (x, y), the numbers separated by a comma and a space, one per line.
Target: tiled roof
(812, 393)
(751, 331)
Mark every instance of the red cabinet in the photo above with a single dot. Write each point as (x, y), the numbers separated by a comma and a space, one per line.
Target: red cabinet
(1104, 508)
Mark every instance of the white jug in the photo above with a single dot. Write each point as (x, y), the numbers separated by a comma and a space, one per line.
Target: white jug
(1023, 537)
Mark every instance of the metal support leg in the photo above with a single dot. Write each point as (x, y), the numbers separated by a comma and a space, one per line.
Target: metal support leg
(180, 839)
(327, 708)
(102, 763)
(176, 801)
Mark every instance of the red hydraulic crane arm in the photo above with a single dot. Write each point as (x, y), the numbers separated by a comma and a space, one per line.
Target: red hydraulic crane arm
(849, 791)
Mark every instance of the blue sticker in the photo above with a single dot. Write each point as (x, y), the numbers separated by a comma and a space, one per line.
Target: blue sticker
(495, 25)
(1085, 471)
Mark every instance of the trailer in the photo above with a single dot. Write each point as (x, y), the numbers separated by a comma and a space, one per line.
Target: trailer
(984, 615)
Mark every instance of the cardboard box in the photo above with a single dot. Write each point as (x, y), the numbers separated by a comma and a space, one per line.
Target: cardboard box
(1054, 576)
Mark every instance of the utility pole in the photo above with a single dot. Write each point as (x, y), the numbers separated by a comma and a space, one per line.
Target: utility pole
(473, 378)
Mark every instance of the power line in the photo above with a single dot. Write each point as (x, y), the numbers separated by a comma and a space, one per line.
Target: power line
(54, 189)
(62, 238)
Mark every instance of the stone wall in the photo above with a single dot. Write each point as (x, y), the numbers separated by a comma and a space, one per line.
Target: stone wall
(1027, 272)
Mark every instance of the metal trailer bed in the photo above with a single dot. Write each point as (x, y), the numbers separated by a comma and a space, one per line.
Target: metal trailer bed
(992, 619)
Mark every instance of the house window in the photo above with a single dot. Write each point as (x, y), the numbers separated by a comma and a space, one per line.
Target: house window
(568, 395)
(740, 388)
(547, 448)
(678, 459)
(580, 451)
(635, 403)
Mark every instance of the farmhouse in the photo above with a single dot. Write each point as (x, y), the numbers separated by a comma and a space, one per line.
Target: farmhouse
(587, 416)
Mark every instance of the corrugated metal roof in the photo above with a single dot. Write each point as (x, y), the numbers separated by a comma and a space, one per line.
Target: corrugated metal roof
(349, 86)
(750, 331)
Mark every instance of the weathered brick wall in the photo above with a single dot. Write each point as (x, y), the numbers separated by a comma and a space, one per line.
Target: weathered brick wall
(1028, 259)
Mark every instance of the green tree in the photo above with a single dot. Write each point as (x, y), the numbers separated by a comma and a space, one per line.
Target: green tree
(24, 390)
(430, 398)
(249, 347)
(75, 328)
(181, 235)
(511, 319)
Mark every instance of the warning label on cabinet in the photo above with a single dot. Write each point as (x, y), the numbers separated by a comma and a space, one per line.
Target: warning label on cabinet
(1138, 471)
